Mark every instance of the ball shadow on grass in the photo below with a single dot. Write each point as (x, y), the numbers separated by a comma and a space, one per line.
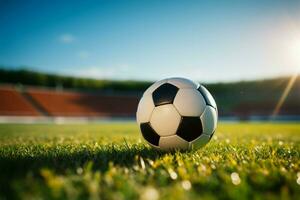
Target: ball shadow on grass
(59, 159)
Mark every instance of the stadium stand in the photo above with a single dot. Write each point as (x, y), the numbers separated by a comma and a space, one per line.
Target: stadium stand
(58, 103)
(241, 100)
(265, 108)
(13, 103)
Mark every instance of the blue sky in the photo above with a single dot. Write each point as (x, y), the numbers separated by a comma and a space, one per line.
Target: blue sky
(149, 40)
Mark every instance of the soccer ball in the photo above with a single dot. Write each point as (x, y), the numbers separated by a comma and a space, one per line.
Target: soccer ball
(177, 114)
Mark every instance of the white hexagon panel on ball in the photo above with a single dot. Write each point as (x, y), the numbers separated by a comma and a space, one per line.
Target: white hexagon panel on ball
(189, 102)
(145, 109)
(165, 120)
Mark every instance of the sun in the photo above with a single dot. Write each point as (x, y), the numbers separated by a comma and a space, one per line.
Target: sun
(294, 52)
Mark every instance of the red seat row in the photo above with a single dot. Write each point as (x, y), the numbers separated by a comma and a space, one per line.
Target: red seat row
(35, 102)
(81, 104)
(13, 103)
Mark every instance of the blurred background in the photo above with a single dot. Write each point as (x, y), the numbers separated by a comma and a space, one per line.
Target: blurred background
(92, 60)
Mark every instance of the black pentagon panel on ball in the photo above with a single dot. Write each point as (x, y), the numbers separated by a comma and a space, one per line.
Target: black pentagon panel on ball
(149, 134)
(204, 94)
(190, 128)
(164, 94)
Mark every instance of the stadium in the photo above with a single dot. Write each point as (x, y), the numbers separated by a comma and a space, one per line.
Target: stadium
(27, 96)
(90, 92)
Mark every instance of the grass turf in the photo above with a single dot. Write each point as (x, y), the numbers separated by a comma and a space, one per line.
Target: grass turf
(111, 161)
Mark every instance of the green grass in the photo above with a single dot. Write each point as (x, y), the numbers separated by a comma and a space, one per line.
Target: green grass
(111, 161)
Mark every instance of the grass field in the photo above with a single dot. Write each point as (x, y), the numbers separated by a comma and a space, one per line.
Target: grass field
(111, 161)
